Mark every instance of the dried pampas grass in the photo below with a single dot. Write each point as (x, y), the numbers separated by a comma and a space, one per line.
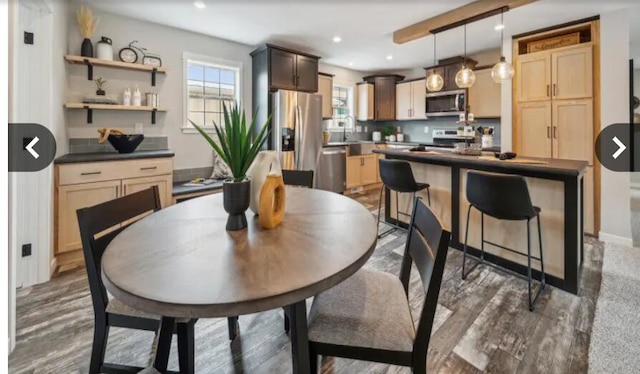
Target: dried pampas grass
(87, 23)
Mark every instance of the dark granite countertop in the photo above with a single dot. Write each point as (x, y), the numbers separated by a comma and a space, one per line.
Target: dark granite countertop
(73, 158)
(179, 189)
(551, 167)
(405, 144)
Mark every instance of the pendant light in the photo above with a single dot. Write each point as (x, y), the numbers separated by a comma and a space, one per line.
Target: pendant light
(465, 78)
(434, 80)
(502, 71)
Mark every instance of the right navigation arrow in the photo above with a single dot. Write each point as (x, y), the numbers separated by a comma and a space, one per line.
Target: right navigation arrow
(621, 147)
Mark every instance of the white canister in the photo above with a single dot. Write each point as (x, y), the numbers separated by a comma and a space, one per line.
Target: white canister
(392, 138)
(152, 99)
(104, 49)
(137, 97)
(400, 137)
(126, 96)
(266, 162)
(487, 141)
(377, 136)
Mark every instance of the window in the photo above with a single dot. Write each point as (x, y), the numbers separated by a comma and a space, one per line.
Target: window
(209, 84)
(342, 104)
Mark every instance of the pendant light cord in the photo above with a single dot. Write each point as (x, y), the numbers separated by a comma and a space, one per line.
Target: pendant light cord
(502, 32)
(465, 45)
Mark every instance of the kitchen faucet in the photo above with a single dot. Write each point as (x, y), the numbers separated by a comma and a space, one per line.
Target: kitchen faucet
(344, 129)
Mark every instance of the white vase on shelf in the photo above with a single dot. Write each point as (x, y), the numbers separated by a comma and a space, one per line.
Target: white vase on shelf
(266, 162)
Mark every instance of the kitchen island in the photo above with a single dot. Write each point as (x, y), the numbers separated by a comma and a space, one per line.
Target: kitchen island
(555, 185)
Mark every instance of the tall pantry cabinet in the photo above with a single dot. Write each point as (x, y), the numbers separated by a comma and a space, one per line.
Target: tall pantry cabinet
(554, 104)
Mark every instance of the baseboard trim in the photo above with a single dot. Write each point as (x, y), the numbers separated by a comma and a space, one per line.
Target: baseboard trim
(53, 266)
(615, 239)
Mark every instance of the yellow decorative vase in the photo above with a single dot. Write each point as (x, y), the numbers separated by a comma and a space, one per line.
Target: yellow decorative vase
(272, 198)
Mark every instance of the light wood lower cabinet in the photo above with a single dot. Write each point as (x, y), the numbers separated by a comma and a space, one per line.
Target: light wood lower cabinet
(362, 170)
(86, 184)
(78, 196)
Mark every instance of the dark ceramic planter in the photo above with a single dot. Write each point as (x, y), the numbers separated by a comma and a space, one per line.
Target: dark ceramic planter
(86, 50)
(236, 197)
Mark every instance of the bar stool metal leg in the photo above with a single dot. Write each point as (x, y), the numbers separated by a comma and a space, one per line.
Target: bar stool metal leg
(529, 265)
(393, 227)
(543, 280)
(464, 249)
(428, 196)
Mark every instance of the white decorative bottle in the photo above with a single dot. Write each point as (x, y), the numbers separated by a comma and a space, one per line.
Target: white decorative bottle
(126, 96)
(137, 97)
(265, 162)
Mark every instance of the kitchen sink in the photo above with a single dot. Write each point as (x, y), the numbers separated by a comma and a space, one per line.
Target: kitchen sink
(361, 148)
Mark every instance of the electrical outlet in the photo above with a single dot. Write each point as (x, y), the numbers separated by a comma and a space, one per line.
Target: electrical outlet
(26, 250)
(399, 129)
(426, 129)
(358, 128)
(28, 37)
(138, 128)
(366, 128)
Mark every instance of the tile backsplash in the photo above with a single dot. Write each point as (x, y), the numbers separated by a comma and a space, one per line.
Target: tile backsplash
(414, 130)
(91, 145)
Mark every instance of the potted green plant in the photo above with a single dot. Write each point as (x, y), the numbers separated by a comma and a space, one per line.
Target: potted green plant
(100, 84)
(387, 131)
(237, 147)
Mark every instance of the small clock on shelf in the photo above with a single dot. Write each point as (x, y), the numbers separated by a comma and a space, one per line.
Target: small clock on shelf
(131, 54)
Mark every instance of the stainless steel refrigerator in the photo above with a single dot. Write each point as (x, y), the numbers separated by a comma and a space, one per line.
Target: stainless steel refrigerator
(297, 130)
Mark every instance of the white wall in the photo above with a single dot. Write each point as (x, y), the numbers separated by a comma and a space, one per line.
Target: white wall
(614, 57)
(170, 43)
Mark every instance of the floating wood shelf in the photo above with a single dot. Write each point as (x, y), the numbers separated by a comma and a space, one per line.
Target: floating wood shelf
(91, 62)
(91, 107)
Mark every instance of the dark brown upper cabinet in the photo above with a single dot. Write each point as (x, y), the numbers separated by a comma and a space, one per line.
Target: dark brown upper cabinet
(276, 68)
(282, 69)
(448, 68)
(384, 95)
(288, 69)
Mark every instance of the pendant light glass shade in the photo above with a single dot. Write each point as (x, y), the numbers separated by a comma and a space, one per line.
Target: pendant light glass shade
(434, 82)
(502, 71)
(465, 77)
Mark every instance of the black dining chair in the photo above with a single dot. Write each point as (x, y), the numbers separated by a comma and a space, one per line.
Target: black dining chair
(397, 176)
(504, 197)
(302, 178)
(98, 226)
(368, 316)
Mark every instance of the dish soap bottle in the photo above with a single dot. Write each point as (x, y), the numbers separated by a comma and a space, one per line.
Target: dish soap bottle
(137, 97)
(126, 96)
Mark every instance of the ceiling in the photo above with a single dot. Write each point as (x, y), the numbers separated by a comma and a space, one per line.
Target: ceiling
(365, 26)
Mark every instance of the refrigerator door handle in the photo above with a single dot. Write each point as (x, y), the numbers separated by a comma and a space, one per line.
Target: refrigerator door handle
(298, 135)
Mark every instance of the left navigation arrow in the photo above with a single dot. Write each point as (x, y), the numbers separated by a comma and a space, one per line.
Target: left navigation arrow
(30, 146)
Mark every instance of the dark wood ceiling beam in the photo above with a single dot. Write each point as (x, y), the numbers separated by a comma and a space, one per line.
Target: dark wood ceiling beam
(456, 17)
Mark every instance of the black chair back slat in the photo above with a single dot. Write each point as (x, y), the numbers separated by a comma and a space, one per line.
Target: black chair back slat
(302, 178)
(427, 246)
(499, 195)
(94, 220)
(397, 175)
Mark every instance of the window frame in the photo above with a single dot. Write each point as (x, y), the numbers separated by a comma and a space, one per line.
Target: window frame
(350, 104)
(216, 62)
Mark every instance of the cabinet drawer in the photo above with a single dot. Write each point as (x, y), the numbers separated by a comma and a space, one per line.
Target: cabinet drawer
(113, 170)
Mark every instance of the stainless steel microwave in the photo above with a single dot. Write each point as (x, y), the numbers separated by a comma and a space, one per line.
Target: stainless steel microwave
(447, 103)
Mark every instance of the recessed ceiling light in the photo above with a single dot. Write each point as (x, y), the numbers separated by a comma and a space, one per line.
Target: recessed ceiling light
(389, 57)
(499, 27)
(199, 4)
(337, 39)
(351, 64)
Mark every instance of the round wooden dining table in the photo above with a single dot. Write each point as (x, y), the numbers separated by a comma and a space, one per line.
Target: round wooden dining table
(180, 262)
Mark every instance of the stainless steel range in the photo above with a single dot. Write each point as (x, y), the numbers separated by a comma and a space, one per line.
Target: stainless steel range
(449, 137)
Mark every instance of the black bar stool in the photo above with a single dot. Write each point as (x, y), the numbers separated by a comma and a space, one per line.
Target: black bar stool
(505, 197)
(397, 176)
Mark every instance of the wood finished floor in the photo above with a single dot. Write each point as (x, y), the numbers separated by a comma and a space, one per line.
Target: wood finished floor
(482, 325)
